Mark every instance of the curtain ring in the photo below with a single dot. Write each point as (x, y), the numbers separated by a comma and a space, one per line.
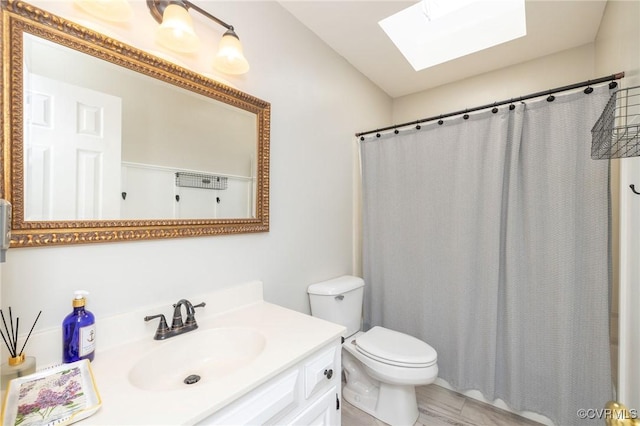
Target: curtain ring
(633, 188)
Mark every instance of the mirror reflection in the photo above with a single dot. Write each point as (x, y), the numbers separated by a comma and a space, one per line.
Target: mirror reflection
(104, 142)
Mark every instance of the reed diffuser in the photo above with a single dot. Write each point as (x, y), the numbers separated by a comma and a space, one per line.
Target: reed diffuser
(18, 364)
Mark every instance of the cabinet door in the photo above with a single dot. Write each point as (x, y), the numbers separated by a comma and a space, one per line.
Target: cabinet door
(320, 370)
(259, 406)
(325, 411)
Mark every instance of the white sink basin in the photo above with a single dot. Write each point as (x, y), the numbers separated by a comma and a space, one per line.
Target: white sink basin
(208, 354)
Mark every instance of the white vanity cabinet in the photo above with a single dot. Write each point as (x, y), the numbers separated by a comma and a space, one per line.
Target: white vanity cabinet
(308, 393)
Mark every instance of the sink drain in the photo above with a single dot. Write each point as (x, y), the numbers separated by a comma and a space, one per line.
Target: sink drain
(193, 378)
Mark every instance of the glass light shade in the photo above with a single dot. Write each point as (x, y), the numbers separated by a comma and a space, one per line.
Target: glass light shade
(107, 10)
(176, 31)
(230, 59)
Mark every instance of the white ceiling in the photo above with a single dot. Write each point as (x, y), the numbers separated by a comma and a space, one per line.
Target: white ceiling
(351, 29)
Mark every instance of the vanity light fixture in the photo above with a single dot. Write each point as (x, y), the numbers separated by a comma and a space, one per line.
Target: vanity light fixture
(176, 33)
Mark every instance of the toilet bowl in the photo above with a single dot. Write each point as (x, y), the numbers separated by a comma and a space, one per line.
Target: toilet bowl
(382, 367)
(384, 387)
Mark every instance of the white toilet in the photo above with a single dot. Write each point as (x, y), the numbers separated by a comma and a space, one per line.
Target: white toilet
(382, 367)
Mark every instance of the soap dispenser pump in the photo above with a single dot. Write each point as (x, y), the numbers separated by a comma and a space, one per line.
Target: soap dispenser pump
(78, 331)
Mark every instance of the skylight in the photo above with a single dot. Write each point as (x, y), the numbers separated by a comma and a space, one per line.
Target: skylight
(435, 31)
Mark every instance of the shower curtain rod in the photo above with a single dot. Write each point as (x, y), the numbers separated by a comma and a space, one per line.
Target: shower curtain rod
(587, 83)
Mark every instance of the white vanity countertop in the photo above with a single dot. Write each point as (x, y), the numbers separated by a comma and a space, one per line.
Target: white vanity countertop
(290, 337)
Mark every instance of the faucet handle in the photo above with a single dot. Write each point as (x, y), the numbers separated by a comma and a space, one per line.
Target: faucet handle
(163, 330)
(191, 315)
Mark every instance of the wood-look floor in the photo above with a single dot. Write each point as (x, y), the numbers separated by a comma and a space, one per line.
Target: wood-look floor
(442, 407)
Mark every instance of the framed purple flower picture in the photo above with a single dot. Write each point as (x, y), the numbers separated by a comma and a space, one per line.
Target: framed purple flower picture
(63, 394)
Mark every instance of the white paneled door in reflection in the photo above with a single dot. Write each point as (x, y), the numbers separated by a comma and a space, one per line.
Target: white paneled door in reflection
(72, 148)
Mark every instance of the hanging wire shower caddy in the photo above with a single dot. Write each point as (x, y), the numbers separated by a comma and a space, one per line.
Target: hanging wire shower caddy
(616, 133)
(200, 180)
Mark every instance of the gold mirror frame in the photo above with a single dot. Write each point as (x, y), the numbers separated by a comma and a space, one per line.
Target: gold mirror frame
(19, 18)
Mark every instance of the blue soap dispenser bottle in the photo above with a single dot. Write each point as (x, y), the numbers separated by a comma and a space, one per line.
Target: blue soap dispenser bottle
(78, 331)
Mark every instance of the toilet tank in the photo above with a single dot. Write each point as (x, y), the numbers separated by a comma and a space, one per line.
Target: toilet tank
(338, 300)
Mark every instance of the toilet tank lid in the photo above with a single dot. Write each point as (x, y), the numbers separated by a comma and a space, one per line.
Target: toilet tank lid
(336, 286)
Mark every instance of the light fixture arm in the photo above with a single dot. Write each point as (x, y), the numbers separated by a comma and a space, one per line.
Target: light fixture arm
(207, 14)
(157, 8)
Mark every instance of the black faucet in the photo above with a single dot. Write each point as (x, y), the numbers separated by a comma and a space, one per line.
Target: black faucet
(177, 325)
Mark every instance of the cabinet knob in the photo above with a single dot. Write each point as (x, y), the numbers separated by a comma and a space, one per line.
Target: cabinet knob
(328, 373)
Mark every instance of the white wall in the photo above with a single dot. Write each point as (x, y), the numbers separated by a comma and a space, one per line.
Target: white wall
(555, 70)
(318, 102)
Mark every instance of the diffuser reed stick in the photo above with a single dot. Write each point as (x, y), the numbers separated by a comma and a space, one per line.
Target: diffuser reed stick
(29, 335)
(11, 341)
(9, 346)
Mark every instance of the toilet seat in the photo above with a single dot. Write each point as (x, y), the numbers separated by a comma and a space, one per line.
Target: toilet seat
(395, 348)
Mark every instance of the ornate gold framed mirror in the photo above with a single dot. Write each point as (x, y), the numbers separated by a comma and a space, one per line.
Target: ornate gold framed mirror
(104, 142)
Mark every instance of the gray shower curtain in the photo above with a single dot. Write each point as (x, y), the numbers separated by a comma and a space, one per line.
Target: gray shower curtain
(488, 239)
